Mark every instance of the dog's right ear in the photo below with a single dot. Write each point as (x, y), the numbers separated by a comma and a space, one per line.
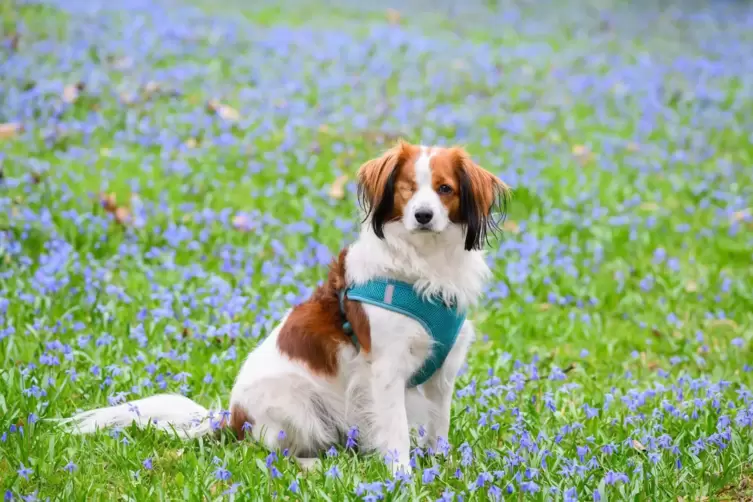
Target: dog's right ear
(376, 185)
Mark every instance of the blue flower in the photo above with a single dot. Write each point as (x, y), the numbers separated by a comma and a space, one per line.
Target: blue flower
(430, 474)
(24, 472)
(612, 477)
(222, 474)
(333, 472)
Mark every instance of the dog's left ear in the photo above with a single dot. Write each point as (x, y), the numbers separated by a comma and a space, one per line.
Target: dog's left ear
(483, 199)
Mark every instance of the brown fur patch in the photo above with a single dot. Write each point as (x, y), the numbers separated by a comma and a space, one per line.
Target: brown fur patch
(313, 332)
(485, 186)
(445, 171)
(238, 418)
(374, 175)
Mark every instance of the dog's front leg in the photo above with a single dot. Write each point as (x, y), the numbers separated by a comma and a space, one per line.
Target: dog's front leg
(391, 431)
(439, 389)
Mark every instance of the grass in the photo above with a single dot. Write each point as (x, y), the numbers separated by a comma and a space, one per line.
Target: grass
(615, 356)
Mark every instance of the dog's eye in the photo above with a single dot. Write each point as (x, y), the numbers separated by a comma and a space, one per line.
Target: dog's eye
(444, 189)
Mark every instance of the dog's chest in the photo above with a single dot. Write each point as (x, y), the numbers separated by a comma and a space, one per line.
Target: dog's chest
(398, 338)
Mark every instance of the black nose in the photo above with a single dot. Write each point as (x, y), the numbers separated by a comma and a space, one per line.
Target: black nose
(424, 216)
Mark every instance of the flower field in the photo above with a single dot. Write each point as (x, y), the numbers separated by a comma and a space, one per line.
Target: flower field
(174, 174)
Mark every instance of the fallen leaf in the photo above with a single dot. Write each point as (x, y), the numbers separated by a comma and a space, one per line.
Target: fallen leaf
(722, 322)
(223, 111)
(543, 307)
(152, 86)
(13, 41)
(70, 93)
(241, 222)
(191, 143)
(9, 130)
(583, 154)
(741, 215)
(393, 16)
(337, 190)
(638, 446)
(511, 226)
(633, 147)
(108, 202)
(122, 215)
(691, 286)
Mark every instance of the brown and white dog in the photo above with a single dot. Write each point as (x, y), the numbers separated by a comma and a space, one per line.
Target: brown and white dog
(428, 211)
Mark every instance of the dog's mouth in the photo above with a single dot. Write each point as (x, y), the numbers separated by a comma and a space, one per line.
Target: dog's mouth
(425, 229)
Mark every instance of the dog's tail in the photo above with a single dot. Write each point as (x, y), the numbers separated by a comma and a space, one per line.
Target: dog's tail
(171, 412)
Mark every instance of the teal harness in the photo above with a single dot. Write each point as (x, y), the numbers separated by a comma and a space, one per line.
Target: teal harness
(443, 323)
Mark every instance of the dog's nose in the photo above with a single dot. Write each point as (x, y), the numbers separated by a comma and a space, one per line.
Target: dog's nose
(424, 216)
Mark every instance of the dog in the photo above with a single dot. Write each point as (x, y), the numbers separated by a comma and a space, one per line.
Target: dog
(334, 361)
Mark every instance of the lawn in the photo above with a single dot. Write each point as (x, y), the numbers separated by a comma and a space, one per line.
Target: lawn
(174, 175)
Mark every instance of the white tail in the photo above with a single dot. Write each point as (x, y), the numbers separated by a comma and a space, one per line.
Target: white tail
(171, 412)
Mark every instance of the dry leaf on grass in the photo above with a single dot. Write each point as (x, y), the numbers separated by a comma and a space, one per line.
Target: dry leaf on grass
(223, 111)
(583, 154)
(722, 322)
(337, 190)
(393, 16)
(72, 91)
(638, 446)
(121, 213)
(242, 222)
(511, 226)
(741, 215)
(10, 130)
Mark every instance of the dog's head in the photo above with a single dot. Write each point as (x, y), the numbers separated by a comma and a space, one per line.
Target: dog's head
(419, 190)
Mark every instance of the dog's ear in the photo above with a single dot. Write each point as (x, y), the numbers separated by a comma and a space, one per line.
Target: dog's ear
(483, 200)
(376, 185)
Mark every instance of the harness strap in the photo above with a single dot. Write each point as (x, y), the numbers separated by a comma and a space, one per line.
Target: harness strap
(347, 327)
(441, 322)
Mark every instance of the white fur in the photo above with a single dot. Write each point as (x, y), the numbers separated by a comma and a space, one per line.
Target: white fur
(425, 198)
(370, 389)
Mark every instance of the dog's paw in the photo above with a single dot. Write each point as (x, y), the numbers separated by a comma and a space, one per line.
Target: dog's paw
(308, 464)
(401, 469)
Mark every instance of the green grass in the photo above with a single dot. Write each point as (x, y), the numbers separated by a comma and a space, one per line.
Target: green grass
(69, 271)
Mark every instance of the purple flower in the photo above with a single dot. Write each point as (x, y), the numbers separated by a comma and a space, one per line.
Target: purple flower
(447, 496)
(294, 486)
(147, 464)
(333, 472)
(70, 467)
(232, 489)
(352, 436)
(24, 472)
(529, 487)
(430, 474)
(571, 495)
(222, 474)
(612, 477)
